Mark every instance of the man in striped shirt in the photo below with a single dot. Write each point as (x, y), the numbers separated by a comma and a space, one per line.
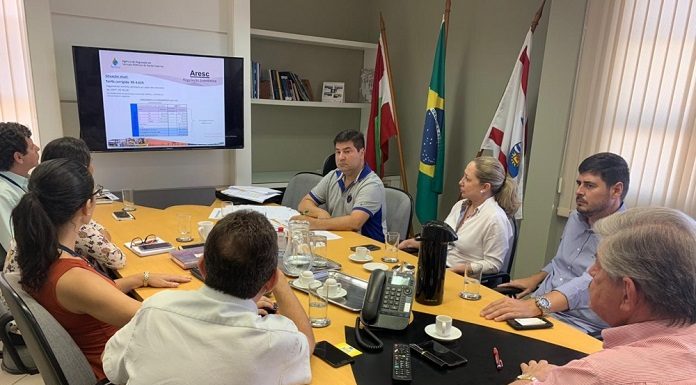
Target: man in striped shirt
(643, 286)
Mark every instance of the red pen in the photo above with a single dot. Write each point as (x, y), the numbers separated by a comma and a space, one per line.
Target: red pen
(498, 361)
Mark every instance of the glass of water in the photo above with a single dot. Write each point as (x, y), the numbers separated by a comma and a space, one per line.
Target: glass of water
(472, 281)
(183, 225)
(318, 305)
(391, 244)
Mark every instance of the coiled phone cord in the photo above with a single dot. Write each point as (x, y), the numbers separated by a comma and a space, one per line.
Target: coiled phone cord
(364, 344)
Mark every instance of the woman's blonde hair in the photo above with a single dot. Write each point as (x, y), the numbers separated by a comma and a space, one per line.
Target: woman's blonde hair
(489, 170)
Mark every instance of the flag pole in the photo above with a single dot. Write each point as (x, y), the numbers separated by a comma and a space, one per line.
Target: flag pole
(537, 16)
(535, 22)
(448, 5)
(382, 28)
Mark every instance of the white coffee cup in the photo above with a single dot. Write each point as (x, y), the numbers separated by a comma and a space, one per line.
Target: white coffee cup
(332, 287)
(443, 325)
(306, 277)
(204, 228)
(362, 252)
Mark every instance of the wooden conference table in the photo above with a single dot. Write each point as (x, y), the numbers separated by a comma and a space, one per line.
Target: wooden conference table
(163, 224)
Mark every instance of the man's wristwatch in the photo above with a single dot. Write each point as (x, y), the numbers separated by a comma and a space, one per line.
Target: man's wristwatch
(526, 376)
(544, 304)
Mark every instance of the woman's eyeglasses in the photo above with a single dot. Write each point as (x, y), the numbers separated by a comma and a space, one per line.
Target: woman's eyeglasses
(98, 192)
(137, 241)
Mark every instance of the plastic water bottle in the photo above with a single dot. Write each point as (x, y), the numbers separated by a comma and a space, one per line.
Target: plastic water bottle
(282, 243)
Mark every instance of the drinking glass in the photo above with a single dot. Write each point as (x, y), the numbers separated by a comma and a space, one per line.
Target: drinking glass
(183, 226)
(127, 197)
(319, 245)
(226, 207)
(391, 243)
(472, 281)
(318, 305)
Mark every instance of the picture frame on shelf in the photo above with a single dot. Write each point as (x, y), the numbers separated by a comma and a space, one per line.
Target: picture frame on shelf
(367, 76)
(333, 92)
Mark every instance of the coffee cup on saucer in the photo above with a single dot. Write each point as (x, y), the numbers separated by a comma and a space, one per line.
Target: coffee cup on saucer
(333, 288)
(362, 253)
(204, 228)
(443, 325)
(306, 277)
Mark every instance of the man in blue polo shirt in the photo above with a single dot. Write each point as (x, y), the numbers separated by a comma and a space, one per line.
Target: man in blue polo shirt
(353, 194)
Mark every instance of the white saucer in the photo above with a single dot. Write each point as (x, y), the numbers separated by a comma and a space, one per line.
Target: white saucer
(431, 330)
(375, 266)
(341, 292)
(354, 258)
(298, 283)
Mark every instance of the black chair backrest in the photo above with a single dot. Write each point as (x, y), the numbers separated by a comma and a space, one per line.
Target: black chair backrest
(329, 164)
(58, 358)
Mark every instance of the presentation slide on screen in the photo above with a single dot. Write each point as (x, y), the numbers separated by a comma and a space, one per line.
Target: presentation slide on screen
(158, 100)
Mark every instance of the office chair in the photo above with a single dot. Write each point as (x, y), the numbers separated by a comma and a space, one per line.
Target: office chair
(58, 358)
(298, 187)
(399, 210)
(329, 164)
(503, 276)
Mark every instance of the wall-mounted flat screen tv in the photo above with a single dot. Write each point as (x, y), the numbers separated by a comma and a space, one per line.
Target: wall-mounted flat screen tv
(141, 101)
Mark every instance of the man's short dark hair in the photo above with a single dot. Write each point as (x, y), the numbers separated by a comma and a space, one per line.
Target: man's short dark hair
(241, 254)
(13, 138)
(351, 136)
(611, 168)
(69, 148)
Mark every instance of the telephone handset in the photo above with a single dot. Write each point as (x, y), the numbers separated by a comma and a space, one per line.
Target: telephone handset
(387, 304)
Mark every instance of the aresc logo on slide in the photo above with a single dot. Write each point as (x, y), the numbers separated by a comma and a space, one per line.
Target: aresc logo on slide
(115, 63)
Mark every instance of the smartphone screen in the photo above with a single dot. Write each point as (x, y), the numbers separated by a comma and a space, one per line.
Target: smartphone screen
(331, 354)
(121, 215)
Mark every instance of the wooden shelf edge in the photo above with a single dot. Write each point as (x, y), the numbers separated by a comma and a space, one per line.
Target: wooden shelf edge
(313, 40)
(295, 103)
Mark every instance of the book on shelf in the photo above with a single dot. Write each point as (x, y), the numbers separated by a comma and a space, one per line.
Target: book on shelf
(265, 89)
(187, 258)
(255, 79)
(284, 85)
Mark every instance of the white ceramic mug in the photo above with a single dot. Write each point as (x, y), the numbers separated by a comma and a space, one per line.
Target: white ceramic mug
(204, 228)
(443, 325)
(332, 287)
(362, 252)
(306, 277)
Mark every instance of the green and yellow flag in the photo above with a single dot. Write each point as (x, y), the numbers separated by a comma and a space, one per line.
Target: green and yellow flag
(432, 158)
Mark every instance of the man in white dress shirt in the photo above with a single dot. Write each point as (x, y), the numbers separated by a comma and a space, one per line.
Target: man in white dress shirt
(18, 155)
(215, 335)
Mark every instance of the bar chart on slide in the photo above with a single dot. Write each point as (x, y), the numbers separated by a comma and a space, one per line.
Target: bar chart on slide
(159, 120)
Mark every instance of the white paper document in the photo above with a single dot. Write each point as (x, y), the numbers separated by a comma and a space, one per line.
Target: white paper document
(251, 193)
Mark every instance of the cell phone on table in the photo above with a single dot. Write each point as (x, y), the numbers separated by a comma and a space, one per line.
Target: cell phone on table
(122, 215)
(155, 246)
(331, 354)
(369, 247)
(438, 354)
(529, 323)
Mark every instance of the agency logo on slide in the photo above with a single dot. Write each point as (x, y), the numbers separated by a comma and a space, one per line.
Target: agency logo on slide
(115, 63)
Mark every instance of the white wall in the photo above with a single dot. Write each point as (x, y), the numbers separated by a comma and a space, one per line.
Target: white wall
(204, 27)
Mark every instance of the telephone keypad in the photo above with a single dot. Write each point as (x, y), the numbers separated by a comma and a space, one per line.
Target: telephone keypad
(394, 300)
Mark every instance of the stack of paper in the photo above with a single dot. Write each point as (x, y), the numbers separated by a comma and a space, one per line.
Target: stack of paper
(251, 193)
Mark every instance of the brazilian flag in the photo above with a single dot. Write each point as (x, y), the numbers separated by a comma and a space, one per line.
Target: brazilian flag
(432, 158)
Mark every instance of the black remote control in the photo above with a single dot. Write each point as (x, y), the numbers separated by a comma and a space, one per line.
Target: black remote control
(401, 371)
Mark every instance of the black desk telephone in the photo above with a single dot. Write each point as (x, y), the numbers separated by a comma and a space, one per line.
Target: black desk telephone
(387, 305)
